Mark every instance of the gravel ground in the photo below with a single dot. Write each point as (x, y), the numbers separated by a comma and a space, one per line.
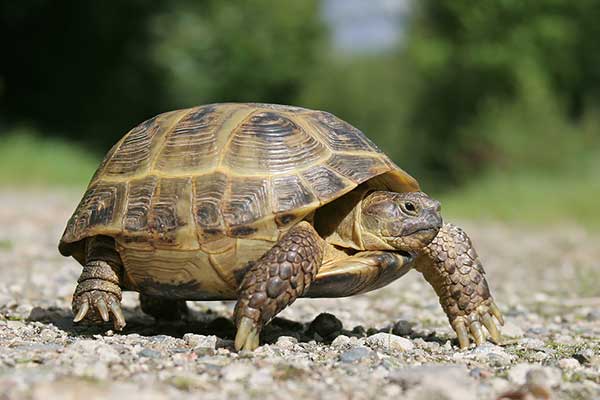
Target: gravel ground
(389, 343)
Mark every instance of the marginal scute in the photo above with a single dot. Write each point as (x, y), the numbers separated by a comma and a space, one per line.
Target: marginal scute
(100, 208)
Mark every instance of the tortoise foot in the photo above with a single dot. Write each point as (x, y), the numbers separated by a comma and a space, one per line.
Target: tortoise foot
(96, 306)
(474, 322)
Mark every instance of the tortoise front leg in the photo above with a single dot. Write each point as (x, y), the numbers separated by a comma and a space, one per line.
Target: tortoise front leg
(98, 293)
(277, 279)
(451, 265)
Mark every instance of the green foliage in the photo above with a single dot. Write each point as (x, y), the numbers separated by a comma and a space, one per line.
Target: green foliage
(259, 50)
(26, 159)
(473, 57)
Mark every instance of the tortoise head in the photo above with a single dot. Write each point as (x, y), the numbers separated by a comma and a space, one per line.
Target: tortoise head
(403, 221)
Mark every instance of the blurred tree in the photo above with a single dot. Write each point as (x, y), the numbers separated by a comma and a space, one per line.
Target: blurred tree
(469, 57)
(91, 70)
(258, 50)
(80, 68)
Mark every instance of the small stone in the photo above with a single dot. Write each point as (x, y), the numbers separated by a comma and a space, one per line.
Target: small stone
(593, 315)
(325, 324)
(538, 330)
(341, 341)
(388, 341)
(200, 341)
(402, 328)
(510, 330)
(286, 342)
(355, 354)
(568, 363)
(520, 372)
(359, 331)
(149, 353)
(532, 344)
(584, 356)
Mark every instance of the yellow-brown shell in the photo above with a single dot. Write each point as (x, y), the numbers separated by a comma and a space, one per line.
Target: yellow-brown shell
(185, 178)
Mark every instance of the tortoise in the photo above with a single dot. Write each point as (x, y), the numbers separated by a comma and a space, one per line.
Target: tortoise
(262, 204)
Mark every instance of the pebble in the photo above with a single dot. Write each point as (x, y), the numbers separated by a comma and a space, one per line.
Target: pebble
(402, 328)
(325, 324)
(519, 374)
(200, 341)
(355, 354)
(568, 363)
(593, 315)
(511, 330)
(388, 341)
(286, 342)
(149, 353)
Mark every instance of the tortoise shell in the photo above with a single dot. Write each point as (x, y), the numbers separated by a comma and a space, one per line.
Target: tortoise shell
(189, 177)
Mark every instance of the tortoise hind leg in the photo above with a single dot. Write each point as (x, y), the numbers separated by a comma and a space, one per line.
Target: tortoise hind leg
(98, 291)
(163, 309)
(280, 276)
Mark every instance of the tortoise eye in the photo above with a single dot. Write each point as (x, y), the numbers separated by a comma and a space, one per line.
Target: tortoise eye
(409, 208)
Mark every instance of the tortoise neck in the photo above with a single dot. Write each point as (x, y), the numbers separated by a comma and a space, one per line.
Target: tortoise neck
(339, 222)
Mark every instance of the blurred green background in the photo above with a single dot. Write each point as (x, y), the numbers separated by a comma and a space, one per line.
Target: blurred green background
(493, 105)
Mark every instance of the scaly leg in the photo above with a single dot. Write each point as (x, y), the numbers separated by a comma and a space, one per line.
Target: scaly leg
(275, 281)
(98, 293)
(451, 265)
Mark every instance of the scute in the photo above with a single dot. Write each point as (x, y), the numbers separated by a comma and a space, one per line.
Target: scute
(186, 178)
(272, 143)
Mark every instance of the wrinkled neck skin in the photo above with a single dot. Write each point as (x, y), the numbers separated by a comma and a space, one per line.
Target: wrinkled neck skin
(349, 232)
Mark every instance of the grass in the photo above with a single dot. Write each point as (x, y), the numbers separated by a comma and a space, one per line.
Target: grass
(28, 160)
(538, 198)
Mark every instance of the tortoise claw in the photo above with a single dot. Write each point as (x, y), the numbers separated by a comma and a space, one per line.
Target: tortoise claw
(490, 325)
(96, 306)
(119, 321)
(496, 312)
(102, 309)
(461, 333)
(477, 332)
(247, 336)
(83, 309)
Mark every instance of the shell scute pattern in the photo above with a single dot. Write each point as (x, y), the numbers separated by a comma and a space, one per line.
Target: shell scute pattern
(138, 205)
(272, 143)
(340, 135)
(194, 176)
(191, 145)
